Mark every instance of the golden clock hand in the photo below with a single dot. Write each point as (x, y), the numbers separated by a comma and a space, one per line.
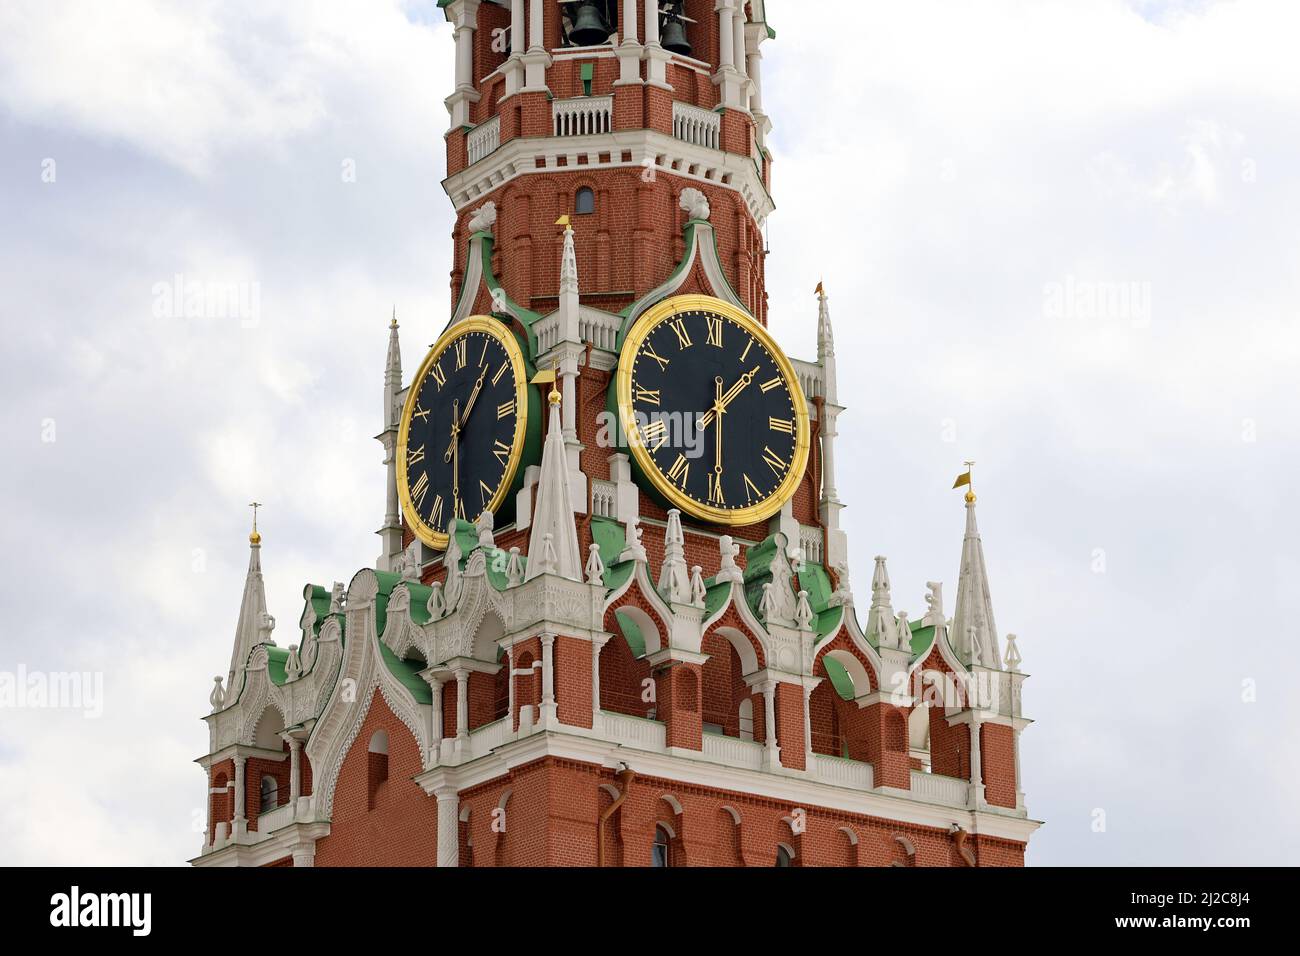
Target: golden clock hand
(717, 440)
(707, 418)
(464, 416)
(455, 454)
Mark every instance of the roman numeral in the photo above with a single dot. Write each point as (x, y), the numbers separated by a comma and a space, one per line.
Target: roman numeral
(439, 375)
(683, 339)
(483, 358)
(715, 490)
(505, 409)
(485, 493)
(751, 490)
(655, 430)
(649, 352)
(501, 371)
(502, 451)
(648, 395)
(415, 457)
(781, 425)
(771, 384)
(435, 513)
(714, 323)
(460, 509)
(775, 461)
(461, 358)
(748, 345)
(679, 471)
(419, 490)
(420, 412)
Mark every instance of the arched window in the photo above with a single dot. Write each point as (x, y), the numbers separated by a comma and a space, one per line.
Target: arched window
(376, 765)
(661, 850)
(783, 856)
(584, 204)
(270, 793)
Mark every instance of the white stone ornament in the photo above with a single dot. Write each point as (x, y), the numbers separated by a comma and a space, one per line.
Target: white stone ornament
(408, 567)
(218, 695)
(484, 218)
(674, 580)
(337, 598)
(265, 625)
(842, 595)
(437, 604)
(803, 612)
(765, 602)
(595, 567)
(904, 630)
(484, 526)
(695, 203)
(933, 604)
(293, 664)
(782, 591)
(729, 570)
(1013, 658)
(698, 591)
(514, 569)
(549, 557)
(633, 549)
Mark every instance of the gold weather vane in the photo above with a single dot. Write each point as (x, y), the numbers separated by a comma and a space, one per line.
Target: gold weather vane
(965, 479)
(819, 290)
(547, 376)
(255, 537)
(563, 221)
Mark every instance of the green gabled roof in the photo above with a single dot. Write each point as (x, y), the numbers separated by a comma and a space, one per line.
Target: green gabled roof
(419, 602)
(922, 637)
(616, 575)
(318, 599)
(275, 661)
(631, 633)
(715, 595)
(387, 581)
(840, 679)
(408, 673)
(611, 538)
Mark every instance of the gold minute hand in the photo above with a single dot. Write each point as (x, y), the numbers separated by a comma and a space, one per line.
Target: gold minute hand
(464, 416)
(707, 418)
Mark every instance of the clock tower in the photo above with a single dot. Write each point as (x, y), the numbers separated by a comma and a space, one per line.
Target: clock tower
(611, 622)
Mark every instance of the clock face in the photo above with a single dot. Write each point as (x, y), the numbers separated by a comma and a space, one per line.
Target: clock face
(462, 431)
(713, 413)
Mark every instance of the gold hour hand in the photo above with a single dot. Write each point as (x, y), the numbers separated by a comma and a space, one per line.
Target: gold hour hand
(721, 406)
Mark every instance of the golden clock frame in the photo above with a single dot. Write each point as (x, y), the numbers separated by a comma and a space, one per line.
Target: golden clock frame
(475, 323)
(730, 517)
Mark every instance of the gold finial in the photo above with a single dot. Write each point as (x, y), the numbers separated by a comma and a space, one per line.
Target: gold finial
(563, 221)
(965, 479)
(393, 324)
(820, 291)
(255, 537)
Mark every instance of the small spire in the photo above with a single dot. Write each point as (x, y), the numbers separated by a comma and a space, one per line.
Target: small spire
(393, 324)
(254, 537)
(553, 544)
(255, 624)
(972, 621)
(674, 577)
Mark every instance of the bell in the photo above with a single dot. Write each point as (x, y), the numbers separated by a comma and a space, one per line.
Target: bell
(589, 26)
(674, 36)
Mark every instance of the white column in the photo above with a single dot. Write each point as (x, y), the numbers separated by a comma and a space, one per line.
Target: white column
(976, 764)
(536, 37)
(435, 719)
(769, 713)
(738, 44)
(462, 708)
(754, 67)
(652, 22)
(464, 35)
(629, 20)
(241, 823)
(596, 647)
(726, 34)
(510, 664)
(211, 792)
(517, 38)
(569, 408)
(1015, 749)
(448, 826)
(807, 729)
(828, 453)
(304, 855)
(548, 677)
(295, 770)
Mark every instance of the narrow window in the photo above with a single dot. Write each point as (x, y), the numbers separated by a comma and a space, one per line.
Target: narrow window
(660, 852)
(585, 202)
(783, 857)
(270, 794)
(376, 765)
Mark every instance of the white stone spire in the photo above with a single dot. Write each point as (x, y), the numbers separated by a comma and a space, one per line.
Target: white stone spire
(391, 532)
(553, 542)
(674, 577)
(255, 624)
(829, 507)
(881, 623)
(974, 634)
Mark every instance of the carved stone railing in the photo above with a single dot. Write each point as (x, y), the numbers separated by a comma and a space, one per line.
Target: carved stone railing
(483, 140)
(811, 541)
(842, 772)
(696, 126)
(936, 788)
(273, 820)
(604, 498)
(633, 731)
(583, 115)
(733, 751)
(600, 330)
(811, 378)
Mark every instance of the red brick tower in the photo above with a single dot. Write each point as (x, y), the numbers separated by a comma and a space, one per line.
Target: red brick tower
(539, 683)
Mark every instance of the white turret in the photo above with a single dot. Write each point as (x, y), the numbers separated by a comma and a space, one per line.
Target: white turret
(391, 532)
(837, 548)
(974, 634)
(255, 624)
(553, 542)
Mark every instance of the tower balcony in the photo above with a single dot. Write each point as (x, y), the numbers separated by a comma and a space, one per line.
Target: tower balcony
(582, 116)
(699, 127)
(483, 140)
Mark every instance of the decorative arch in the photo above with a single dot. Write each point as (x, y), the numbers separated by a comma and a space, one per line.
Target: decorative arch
(266, 731)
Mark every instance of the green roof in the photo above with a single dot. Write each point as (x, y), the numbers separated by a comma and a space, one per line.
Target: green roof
(840, 679)
(275, 661)
(631, 633)
(407, 672)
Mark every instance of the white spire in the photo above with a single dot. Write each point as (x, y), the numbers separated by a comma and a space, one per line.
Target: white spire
(392, 374)
(974, 634)
(255, 625)
(880, 619)
(391, 532)
(569, 304)
(674, 578)
(825, 337)
(553, 543)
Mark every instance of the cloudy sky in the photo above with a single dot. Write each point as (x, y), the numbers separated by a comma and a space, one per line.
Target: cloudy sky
(1059, 238)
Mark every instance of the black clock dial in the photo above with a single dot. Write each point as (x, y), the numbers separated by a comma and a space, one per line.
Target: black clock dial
(462, 429)
(716, 412)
